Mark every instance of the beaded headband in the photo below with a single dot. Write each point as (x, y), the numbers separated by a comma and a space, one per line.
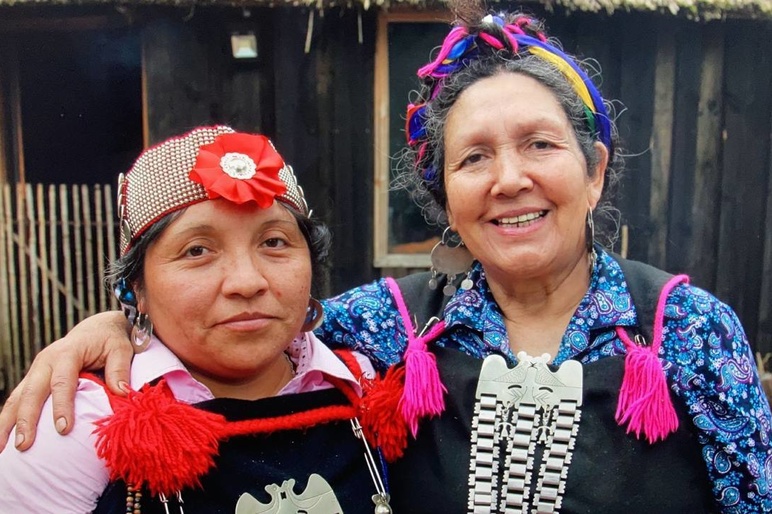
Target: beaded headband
(206, 163)
(460, 48)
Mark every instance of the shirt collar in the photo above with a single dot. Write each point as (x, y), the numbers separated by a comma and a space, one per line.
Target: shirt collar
(607, 303)
(311, 357)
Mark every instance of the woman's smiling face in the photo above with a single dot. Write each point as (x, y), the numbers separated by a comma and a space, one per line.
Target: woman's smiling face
(226, 288)
(517, 182)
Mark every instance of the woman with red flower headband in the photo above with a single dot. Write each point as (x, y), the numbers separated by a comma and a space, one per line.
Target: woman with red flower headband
(539, 371)
(235, 406)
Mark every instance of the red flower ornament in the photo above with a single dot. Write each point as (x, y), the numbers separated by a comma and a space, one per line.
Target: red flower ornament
(241, 168)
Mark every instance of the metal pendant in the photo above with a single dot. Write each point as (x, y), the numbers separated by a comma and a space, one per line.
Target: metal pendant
(317, 498)
(516, 410)
(451, 260)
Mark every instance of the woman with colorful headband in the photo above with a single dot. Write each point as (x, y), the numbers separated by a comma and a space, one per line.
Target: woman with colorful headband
(218, 252)
(539, 372)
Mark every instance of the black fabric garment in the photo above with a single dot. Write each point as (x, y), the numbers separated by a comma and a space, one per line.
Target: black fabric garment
(611, 472)
(250, 463)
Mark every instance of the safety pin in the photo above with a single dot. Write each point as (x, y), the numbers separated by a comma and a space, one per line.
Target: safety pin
(432, 321)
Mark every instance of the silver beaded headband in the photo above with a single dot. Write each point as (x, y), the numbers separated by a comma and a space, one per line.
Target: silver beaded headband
(206, 163)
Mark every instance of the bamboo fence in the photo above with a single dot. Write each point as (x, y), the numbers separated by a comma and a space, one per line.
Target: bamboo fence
(55, 241)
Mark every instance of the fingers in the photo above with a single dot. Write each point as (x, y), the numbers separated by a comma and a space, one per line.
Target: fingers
(64, 384)
(24, 405)
(117, 364)
(8, 417)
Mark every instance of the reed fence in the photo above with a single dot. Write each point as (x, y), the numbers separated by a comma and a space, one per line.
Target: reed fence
(55, 241)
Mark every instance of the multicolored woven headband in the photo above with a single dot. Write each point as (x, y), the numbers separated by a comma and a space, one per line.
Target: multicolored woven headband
(460, 48)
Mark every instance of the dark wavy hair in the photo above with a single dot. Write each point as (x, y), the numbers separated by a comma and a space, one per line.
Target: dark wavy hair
(439, 95)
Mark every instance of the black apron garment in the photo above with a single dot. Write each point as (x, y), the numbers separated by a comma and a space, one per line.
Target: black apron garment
(247, 464)
(611, 471)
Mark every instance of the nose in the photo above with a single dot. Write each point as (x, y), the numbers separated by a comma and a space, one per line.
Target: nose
(510, 175)
(244, 275)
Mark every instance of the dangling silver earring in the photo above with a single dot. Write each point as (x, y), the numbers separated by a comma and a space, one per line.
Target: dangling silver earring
(314, 315)
(451, 257)
(590, 236)
(141, 332)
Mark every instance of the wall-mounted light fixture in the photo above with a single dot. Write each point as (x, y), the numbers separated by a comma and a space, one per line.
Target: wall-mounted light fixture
(244, 45)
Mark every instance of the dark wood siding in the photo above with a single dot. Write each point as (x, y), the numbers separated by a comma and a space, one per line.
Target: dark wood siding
(695, 125)
(707, 214)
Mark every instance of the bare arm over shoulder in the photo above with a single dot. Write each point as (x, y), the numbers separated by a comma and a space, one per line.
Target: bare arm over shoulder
(99, 341)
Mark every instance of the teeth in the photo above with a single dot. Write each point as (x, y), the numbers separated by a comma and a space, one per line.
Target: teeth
(523, 218)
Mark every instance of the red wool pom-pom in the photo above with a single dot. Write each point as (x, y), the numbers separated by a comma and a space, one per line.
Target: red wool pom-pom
(153, 439)
(380, 413)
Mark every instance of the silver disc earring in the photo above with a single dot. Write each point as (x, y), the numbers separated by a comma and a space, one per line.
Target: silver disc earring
(141, 332)
(314, 315)
(451, 257)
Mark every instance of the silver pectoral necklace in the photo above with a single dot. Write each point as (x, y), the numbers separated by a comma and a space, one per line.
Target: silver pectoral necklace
(521, 414)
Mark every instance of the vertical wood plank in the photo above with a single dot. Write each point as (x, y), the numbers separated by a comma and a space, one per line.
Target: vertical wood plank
(6, 339)
(89, 301)
(101, 253)
(53, 243)
(34, 341)
(661, 144)
(112, 247)
(686, 87)
(77, 242)
(14, 310)
(22, 263)
(635, 127)
(746, 154)
(45, 266)
(701, 247)
(67, 257)
(764, 333)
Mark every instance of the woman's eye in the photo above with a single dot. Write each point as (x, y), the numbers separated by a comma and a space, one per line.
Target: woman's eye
(275, 242)
(195, 251)
(473, 159)
(542, 145)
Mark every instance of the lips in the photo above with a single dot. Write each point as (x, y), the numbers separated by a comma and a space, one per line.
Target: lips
(246, 321)
(520, 221)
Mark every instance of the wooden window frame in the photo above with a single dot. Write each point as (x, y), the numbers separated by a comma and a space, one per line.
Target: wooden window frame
(383, 258)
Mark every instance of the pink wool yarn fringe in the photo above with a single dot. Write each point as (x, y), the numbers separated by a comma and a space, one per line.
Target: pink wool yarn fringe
(423, 395)
(644, 399)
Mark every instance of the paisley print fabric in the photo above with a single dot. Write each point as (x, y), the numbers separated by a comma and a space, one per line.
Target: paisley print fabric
(705, 354)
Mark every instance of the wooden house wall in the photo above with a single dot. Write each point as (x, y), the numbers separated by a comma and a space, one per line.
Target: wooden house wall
(315, 104)
(695, 129)
(695, 121)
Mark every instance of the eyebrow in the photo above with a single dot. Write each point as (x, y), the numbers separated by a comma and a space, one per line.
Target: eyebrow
(206, 227)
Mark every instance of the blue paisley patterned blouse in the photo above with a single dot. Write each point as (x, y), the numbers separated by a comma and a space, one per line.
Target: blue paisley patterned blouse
(706, 355)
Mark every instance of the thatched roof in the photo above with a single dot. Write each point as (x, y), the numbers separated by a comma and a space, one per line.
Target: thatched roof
(699, 9)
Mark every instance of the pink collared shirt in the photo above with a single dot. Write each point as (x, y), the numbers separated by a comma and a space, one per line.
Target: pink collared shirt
(63, 473)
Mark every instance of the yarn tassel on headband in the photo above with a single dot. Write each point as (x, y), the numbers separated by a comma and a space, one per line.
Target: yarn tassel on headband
(644, 399)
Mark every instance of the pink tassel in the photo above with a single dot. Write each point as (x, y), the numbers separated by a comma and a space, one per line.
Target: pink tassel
(424, 392)
(644, 399)
(423, 395)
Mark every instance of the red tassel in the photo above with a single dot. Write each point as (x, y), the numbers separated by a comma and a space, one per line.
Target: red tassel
(153, 439)
(380, 414)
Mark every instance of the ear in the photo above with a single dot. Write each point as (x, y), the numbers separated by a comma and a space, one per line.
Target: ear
(449, 215)
(139, 293)
(598, 177)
